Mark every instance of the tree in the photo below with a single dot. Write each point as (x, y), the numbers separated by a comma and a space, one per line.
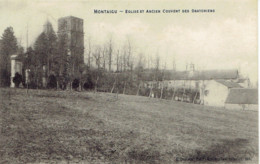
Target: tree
(62, 60)
(52, 82)
(89, 52)
(41, 59)
(97, 56)
(139, 69)
(104, 57)
(110, 51)
(41, 48)
(117, 61)
(51, 47)
(8, 48)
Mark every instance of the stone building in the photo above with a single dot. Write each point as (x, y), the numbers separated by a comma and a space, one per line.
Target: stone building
(72, 27)
(16, 67)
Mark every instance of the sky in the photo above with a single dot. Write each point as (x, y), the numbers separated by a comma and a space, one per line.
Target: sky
(225, 39)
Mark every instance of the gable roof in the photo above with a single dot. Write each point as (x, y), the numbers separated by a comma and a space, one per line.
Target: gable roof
(216, 74)
(229, 84)
(242, 96)
(195, 75)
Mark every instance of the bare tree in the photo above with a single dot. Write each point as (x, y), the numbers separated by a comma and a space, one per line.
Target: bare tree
(110, 52)
(97, 56)
(124, 59)
(156, 72)
(104, 51)
(89, 52)
(129, 53)
(162, 86)
(139, 70)
(117, 61)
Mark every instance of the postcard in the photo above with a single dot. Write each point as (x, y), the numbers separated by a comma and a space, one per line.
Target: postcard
(149, 81)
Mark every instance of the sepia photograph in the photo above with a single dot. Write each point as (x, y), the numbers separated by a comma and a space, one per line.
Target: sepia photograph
(139, 82)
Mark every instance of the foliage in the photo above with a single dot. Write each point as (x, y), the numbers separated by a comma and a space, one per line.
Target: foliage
(8, 47)
(40, 47)
(89, 84)
(75, 83)
(17, 79)
(62, 64)
(52, 82)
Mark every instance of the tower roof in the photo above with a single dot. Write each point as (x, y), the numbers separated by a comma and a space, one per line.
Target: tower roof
(70, 17)
(47, 27)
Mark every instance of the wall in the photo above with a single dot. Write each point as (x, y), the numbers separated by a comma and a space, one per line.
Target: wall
(253, 107)
(215, 94)
(16, 66)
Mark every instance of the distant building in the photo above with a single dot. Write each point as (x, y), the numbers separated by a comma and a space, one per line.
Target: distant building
(242, 98)
(215, 92)
(210, 86)
(72, 27)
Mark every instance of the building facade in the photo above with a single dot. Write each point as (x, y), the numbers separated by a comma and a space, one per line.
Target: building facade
(16, 67)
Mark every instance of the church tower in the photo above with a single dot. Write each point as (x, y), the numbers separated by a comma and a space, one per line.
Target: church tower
(72, 27)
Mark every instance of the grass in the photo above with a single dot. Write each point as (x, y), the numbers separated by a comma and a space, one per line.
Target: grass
(62, 126)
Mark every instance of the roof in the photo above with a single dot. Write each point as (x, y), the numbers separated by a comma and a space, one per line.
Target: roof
(206, 75)
(241, 80)
(196, 75)
(16, 57)
(70, 17)
(229, 84)
(242, 96)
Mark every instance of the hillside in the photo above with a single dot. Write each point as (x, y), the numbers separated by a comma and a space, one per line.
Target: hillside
(62, 126)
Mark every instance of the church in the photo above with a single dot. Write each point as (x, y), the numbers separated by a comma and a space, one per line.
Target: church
(72, 28)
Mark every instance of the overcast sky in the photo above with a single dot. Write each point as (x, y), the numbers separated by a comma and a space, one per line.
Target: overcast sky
(224, 39)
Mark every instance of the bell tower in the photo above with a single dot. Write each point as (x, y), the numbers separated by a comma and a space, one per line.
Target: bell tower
(72, 27)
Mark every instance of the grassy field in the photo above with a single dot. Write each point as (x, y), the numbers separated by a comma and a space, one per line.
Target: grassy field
(83, 127)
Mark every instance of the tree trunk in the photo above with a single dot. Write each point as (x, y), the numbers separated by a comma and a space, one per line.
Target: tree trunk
(37, 82)
(113, 87)
(150, 94)
(161, 92)
(124, 87)
(173, 93)
(195, 97)
(137, 94)
(96, 84)
(183, 94)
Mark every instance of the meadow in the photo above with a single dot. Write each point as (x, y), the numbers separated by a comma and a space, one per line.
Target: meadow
(47, 126)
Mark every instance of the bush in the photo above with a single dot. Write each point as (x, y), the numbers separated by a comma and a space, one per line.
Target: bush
(75, 83)
(17, 79)
(52, 82)
(88, 84)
